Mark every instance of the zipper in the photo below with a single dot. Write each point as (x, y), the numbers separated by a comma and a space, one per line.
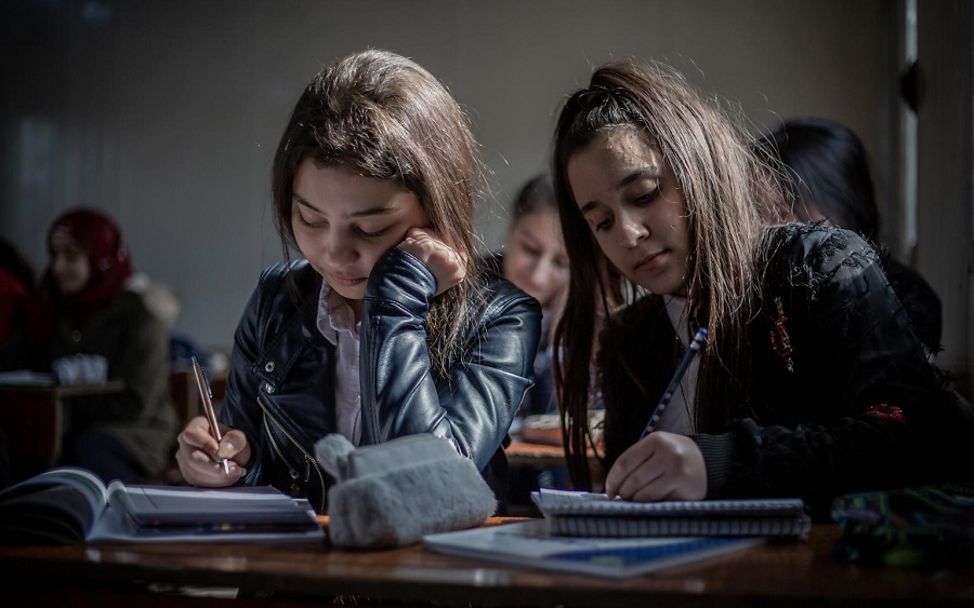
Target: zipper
(295, 476)
(367, 384)
(310, 463)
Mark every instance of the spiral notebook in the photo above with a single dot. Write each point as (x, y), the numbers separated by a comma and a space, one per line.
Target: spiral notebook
(595, 515)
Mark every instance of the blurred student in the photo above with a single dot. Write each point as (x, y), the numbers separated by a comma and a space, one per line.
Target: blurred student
(88, 313)
(831, 182)
(536, 262)
(387, 327)
(16, 285)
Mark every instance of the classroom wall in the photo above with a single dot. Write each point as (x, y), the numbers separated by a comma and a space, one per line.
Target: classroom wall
(166, 114)
(945, 180)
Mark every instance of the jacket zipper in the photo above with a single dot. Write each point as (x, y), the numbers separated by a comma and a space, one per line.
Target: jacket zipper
(310, 462)
(267, 429)
(368, 385)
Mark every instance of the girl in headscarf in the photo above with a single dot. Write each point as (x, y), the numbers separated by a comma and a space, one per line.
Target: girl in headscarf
(85, 308)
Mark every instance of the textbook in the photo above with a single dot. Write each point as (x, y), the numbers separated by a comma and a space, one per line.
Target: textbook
(529, 544)
(70, 505)
(590, 514)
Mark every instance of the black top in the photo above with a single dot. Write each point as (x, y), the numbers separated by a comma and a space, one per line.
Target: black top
(920, 301)
(854, 406)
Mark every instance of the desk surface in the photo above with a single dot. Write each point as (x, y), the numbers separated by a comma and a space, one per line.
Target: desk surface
(788, 574)
(535, 454)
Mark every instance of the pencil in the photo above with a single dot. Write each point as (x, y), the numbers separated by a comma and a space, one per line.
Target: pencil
(681, 369)
(207, 399)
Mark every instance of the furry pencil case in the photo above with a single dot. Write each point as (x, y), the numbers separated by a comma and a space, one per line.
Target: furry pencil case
(393, 493)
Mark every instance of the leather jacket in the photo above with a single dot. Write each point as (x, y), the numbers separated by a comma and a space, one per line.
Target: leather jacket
(281, 394)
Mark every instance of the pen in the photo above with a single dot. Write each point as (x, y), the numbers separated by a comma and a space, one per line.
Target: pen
(207, 398)
(695, 346)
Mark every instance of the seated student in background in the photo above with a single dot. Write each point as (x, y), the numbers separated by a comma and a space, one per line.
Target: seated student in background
(535, 261)
(85, 306)
(16, 285)
(387, 327)
(829, 179)
(812, 382)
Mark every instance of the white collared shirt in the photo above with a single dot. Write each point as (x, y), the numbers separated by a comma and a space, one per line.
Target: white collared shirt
(336, 322)
(679, 414)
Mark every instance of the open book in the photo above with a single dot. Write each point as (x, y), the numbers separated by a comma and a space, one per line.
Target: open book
(529, 544)
(589, 514)
(69, 505)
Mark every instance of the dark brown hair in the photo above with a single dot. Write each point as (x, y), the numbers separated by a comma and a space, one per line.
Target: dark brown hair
(825, 169)
(729, 197)
(537, 194)
(388, 118)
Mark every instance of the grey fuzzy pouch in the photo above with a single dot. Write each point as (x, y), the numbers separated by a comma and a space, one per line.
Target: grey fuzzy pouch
(393, 493)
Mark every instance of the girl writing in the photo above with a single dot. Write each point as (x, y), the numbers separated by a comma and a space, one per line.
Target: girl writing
(386, 327)
(811, 384)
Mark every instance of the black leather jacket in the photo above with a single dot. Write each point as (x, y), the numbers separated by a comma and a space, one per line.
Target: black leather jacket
(281, 387)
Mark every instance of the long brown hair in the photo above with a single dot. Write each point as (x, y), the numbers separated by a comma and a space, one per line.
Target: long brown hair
(387, 117)
(729, 198)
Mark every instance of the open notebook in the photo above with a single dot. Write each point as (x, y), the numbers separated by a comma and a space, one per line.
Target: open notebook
(69, 505)
(595, 515)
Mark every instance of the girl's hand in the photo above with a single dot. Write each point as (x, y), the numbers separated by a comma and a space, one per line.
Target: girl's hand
(199, 454)
(660, 466)
(443, 261)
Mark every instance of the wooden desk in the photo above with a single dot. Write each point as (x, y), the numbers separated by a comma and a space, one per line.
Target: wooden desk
(790, 574)
(523, 453)
(541, 447)
(32, 417)
(540, 455)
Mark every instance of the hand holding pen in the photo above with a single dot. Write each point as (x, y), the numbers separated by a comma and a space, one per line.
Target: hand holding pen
(206, 397)
(662, 465)
(202, 445)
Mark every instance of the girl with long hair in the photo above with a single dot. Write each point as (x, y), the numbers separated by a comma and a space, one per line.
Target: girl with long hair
(386, 327)
(811, 382)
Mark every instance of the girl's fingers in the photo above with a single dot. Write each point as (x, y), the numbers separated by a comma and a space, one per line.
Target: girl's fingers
(626, 464)
(197, 435)
(199, 454)
(658, 489)
(661, 466)
(444, 262)
(199, 469)
(646, 474)
(235, 447)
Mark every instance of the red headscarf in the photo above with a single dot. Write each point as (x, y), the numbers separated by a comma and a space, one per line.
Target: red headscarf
(109, 263)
